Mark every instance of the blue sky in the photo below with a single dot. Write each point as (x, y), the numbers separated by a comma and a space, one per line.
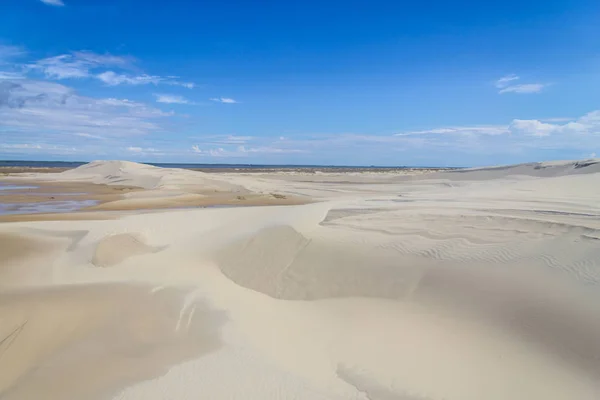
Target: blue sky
(300, 82)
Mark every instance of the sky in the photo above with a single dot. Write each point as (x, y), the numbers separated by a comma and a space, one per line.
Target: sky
(390, 83)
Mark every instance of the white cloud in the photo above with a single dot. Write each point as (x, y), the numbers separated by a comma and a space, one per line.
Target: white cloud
(267, 150)
(243, 151)
(214, 152)
(111, 101)
(60, 67)
(506, 80)
(225, 100)
(589, 123)
(9, 52)
(29, 106)
(20, 146)
(170, 99)
(86, 64)
(557, 119)
(533, 127)
(505, 84)
(58, 3)
(10, 75)
(78, 64)
(525, 88)
(187, 85)
(140, 150)
(111, 78)
(226, 139)
(87, 135)
(41, 148)
(461, 130)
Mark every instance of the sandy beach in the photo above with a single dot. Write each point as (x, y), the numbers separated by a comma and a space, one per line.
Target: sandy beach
(463, 284)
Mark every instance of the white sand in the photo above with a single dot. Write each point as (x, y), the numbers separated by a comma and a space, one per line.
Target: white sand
(479, 284)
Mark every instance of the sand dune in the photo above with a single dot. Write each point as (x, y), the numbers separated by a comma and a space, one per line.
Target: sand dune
(539, 169)
(125, 173)
(470, 285)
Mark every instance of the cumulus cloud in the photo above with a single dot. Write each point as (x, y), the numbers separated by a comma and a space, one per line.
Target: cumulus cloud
(225, 100)
(57, 3)
(533, 127)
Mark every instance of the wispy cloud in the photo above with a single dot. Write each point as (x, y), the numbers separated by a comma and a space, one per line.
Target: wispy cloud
(214, 152)
(505, 84)
(525, 88)
(78, 64)
(86, 64)
(243, 151)
(87, 135)
(225, 100)
(111, 78)
(170, 99)
(58, 3)
(461, 130)
(225, 139)
(141, 150)
(8, 52)
(5, 75)
(267, 150)
(29, 105)
(506, 80)
(40, 148)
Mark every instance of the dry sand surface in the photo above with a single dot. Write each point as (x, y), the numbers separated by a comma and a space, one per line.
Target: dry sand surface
(455, 285)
